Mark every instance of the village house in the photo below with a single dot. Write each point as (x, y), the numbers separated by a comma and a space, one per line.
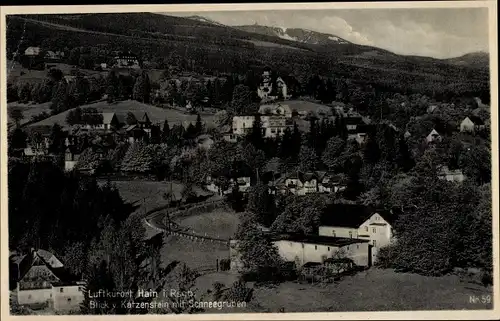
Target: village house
(272, 126)
(432, 109)
(330, 183)
(275, 126)
(71, 156)
(127, 60)
(299, 183)
(37, 147)
(134, 126)
(222, 183)
(43, 282)
(359, 222)
(205, 141)
(433, 137)
(352, 121)
(456, 175)
(471, 124)
(357, 130)
(265, 89)
(242, 125)
(228, 135)
(32, 51)
(276, 109)
(109, 121)
(54, 56)
(69, 78)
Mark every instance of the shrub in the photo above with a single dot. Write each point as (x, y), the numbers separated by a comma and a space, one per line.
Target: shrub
(239, 292)
(386, 256)
(225, 264)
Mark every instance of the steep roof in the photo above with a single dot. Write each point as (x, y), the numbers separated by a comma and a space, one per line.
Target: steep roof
(476, 120)
(107, 118)
(346, 215)
(433, 132)
(316, 239)
(353, 215)
(40, 259)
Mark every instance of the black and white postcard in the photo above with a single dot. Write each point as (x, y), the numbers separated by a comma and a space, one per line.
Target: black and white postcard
(250, 161)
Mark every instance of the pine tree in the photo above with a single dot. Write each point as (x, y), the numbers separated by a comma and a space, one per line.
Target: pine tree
(56, 140)
(256, 136)
(60, 99)
(142, 88)
(199, 125)
(24, 92)
(79, 90)
(112, 84)
(308, 160)
(165, 132)
(99, 278)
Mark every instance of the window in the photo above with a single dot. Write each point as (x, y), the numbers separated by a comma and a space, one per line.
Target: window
(315, 247)
(61, 290)
(69, 299)
(328, 248)
(366, 228)
(350, 234)
(333, 233)
(374, 243)
(374, 230)
(376, 218)
(348, 247)
(357, 247)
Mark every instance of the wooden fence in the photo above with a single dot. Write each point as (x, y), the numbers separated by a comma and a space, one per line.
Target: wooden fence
(184, 211)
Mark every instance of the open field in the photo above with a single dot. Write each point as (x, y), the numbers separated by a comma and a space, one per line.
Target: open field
(156, 115)
(219, 223)
(14, 70)
(146, 194)
(29, 110)
(372, 290)
(195, 254)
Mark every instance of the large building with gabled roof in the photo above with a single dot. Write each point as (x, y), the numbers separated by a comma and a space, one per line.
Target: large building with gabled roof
(42, 281)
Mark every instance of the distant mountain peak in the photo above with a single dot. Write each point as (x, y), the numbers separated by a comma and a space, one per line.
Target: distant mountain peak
(205, 19)
(294, 34)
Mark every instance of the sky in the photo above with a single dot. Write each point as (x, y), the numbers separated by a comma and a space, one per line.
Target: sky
(437, 32)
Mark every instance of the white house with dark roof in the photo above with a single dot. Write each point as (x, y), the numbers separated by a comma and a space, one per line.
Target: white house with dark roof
(471, 124)
(43, 282)
(432, 109)
(276, 109)
(358, 222)
(299, 183)
(32, 51)
(455, 175)
(317, 249)
(433, 137)
(272, 126)
(306, 249)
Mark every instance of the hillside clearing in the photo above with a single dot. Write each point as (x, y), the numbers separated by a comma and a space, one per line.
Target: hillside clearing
(29, 110)
(156, 115)
(219, 223)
